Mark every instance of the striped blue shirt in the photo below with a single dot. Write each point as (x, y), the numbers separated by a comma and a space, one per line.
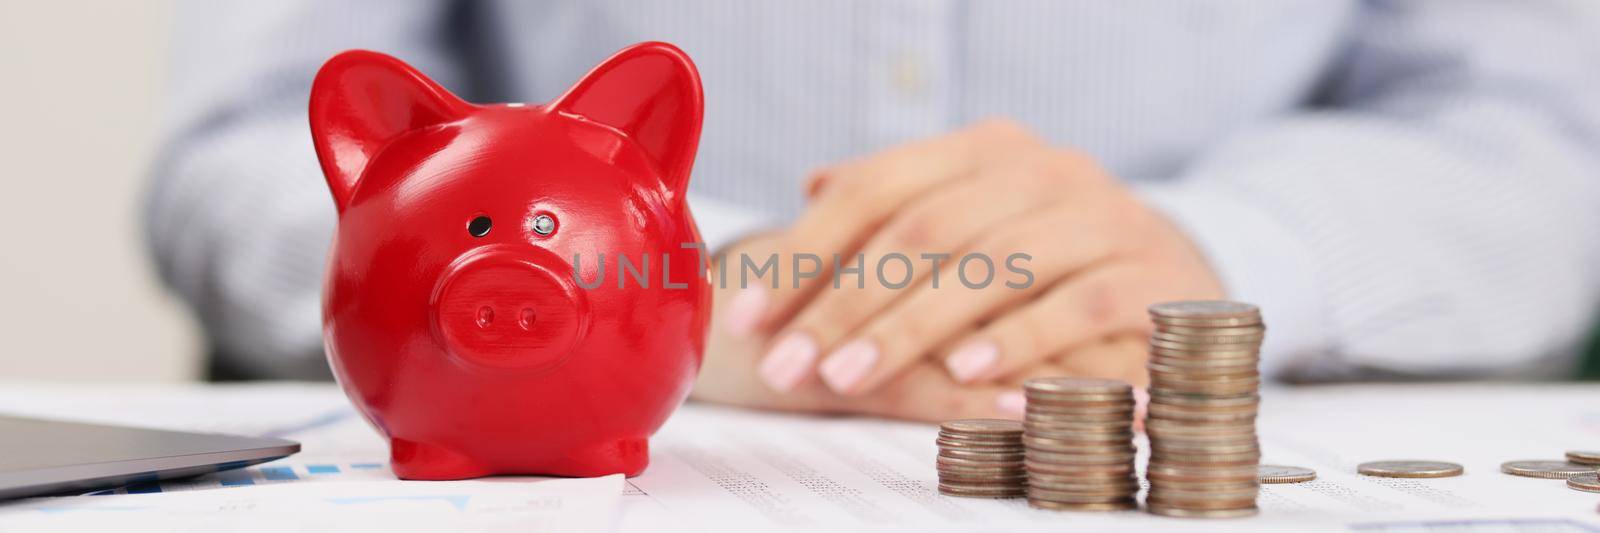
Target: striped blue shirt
(1409, 187)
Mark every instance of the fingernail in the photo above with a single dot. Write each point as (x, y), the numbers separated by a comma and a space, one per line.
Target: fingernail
(788, 362)
(744, 311)
(1011, 403)
(842, 370)
(972, 361)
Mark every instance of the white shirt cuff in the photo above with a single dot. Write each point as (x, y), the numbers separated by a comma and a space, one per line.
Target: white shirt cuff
(1259, 261)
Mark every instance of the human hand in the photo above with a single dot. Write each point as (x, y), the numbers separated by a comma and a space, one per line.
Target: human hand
(923, 391)
(1096, 257)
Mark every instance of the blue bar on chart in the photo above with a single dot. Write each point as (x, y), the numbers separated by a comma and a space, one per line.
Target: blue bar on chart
(278, 473)
(235, 478)
(322, 469)
(366, 466)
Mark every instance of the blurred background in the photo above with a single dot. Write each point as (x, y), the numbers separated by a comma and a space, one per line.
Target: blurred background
(83, 84)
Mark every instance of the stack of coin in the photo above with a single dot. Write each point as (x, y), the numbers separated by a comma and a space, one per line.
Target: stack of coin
(1204, 392)
(981, 458)
(1078, 434)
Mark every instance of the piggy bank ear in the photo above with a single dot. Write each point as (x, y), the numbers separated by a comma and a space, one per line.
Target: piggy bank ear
(360, 102)
(651, 93)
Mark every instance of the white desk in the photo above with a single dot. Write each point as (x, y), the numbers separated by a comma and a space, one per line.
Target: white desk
(717, 469)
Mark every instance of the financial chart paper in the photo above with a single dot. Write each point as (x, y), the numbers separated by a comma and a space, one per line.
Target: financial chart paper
(721, 469)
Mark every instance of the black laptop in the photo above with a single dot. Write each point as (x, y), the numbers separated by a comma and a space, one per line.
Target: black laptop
(42, 457)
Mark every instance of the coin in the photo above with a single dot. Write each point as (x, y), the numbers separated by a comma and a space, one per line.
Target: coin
(1408, 468)
(1584, 457)
(1076, 497)
(1184, 429)
(1208, 400)
(1200, 388)
(997, 470)
(1207, 340)
(978, 492)
(1110, 421)
(1235, 353)
(1067, 445)
(1189, 347)
(1041, 456)
(1200, 416)
(1165, 446)
(1053, 431)
(1204, 398)
(1119, 505)
(1284, 474)
(1100, 470)
(1589, 482)
(981, 456)
(1056, 403)
(1210, 459)
(1077, 386)
(1204, 309)
(1078, 444)
(1180, 512)
(979, 437)
(1545, 469)
(1197, 367)
(982, 426)
(1119, 483)
(1207, 496)
(1207, 322)
(1247, 329)
(1010, 480)
(985, 448)
(976, 461)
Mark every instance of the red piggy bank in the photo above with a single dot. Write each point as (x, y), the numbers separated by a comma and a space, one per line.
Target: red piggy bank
(474, 309)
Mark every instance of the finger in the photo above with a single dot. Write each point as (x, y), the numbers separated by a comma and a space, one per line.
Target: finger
(1003, 131)
(898, 257)
(968, 293)
(926, 393)
(860, 196)
(1097, 303)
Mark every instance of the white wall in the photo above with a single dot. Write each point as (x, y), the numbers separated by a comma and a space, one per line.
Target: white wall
(80, 87)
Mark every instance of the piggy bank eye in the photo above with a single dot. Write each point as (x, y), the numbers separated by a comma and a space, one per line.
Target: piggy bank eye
(480, 226)
(544, 224)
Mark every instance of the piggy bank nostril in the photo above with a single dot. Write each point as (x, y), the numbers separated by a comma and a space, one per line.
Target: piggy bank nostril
(527, 318)
(485, 316)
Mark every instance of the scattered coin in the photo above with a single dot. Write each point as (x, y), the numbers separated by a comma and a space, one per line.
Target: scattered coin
(1589, 482)
(1078, 444)
(1545, 469)
(1584, 457)
(981, 458)
(1410, 469)
(1284, 474)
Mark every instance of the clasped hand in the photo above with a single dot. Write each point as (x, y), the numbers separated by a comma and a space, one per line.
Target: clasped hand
(971, 262)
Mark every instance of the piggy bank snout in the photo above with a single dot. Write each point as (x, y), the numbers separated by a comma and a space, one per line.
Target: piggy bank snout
(509, 309)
